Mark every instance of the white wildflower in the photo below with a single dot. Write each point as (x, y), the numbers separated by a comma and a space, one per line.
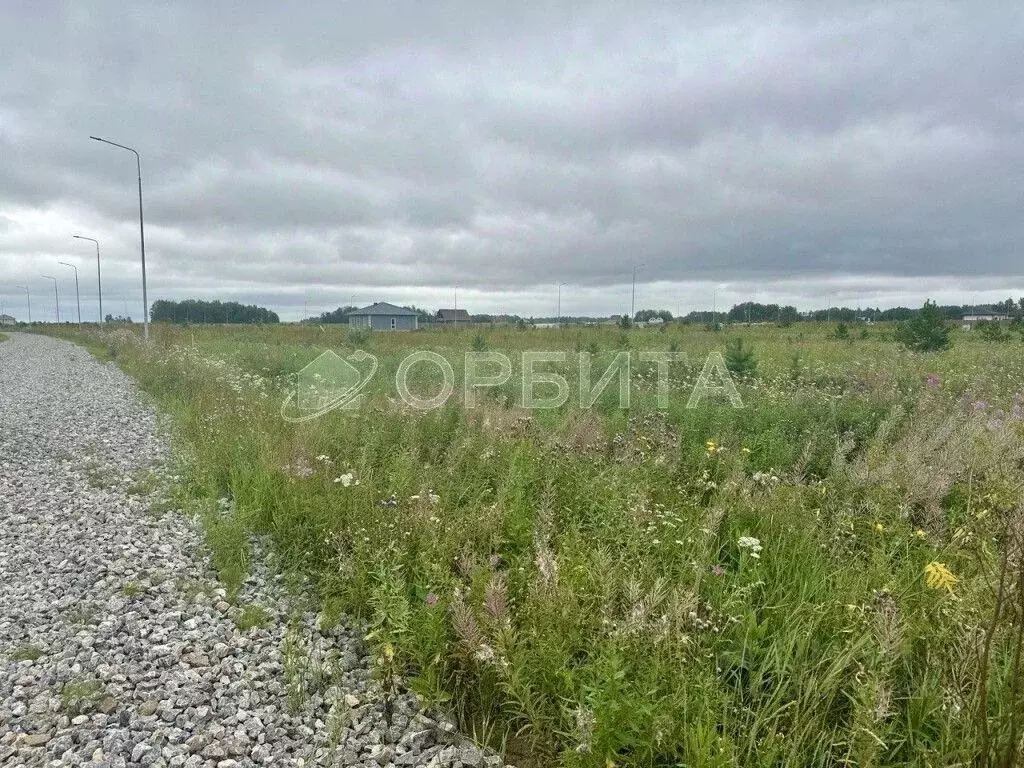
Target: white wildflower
(347, 480)
(754, 545)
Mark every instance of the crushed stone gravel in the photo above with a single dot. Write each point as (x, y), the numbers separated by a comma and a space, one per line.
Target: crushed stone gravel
(117, 645)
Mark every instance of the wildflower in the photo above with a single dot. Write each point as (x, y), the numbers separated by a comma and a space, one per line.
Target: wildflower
(879, 527)
(585, 722)
(546, 563)
(754, 545)
(979, 405)
(933, 381)
(430, 599)
(496, 598)
(389, 651)
(717, 570)
(299, 468)
(326, 460)
(484, 653)
(745, 451)
(919, 533)
(348, 479)
(938, 576)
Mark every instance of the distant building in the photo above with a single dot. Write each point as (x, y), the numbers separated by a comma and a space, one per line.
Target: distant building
(452, 317)
(969, 321)
(7, 320)
(656, 321)
(384, 317)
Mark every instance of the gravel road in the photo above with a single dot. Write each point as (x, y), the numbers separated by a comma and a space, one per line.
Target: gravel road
(117, 645)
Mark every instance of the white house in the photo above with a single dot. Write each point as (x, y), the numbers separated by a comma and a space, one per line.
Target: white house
(7, 320)
(969, 321)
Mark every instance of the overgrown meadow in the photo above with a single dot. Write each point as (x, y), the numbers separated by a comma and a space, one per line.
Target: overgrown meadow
(831, 575)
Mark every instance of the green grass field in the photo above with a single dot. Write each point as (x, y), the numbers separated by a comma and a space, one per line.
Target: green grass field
(831, 575)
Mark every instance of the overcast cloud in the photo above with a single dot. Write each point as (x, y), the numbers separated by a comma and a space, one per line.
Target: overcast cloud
(295, 156)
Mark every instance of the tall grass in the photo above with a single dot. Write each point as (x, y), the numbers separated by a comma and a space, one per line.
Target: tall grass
(698, 587)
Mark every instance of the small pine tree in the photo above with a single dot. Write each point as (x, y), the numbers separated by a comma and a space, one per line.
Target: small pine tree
(739, 359)
(925, 332)
(991, 330)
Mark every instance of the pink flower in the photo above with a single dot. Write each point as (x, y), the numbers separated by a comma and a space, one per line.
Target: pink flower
(717, 570)
(430, 599)
(933, 381)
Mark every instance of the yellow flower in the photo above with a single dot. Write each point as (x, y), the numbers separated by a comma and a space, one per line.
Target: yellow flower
(389, 652)
(746, 451)
(938, 576)
(919, 533)
(879, 527)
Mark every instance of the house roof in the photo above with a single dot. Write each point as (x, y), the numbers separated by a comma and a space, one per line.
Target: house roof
(381, 308)
(447, 315)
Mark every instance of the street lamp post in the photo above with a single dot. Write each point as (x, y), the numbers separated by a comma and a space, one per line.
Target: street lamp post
(632, 301)
(78, 296)
(28, 300)
(142, 237)
(56, 297)
(99, 279)
(560, 303)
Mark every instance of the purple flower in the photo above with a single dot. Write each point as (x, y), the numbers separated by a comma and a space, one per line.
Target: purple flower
(430, 599)
(717, 570)
(979, 405)
(933, 381)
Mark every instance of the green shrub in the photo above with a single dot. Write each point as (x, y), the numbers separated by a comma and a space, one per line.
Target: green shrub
(925, 332)
(991, 330)
(739, 359)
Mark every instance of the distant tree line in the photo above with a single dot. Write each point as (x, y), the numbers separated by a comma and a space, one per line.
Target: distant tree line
(424, 316)
(199, 312)
(646, 315)
(334, 316)
(753, 312)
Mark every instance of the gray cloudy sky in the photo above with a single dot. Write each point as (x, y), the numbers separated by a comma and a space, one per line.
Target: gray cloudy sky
(319, 154)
